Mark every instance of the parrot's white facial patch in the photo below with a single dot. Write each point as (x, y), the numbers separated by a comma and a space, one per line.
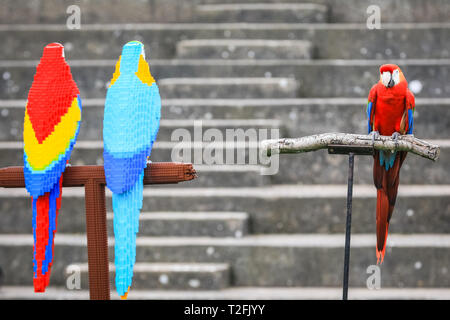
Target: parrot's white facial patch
(385, 78)
(396, 76)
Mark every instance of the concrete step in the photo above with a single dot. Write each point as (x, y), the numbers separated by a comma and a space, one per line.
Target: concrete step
(237, 293)
(330, 41)
(98, 11)
(191, 224)
(244, 49)
(299, 117)
(124, 11)
(167, 276)
(233, 88)
(309, 260)
(263, 12)
(333, 168)
(271, 209)
(426, 77)
(11, 124)
(356, 10)
(310, 168)
(209, 175)
(233, 175)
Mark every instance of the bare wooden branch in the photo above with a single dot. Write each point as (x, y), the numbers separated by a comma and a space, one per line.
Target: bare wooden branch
(325, 140)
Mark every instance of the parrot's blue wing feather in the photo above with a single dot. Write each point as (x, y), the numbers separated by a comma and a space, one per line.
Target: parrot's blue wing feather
(411, 121)
(369, 116)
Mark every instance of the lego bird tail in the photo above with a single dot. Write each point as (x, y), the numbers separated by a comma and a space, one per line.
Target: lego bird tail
(126, 207)
(45, 217)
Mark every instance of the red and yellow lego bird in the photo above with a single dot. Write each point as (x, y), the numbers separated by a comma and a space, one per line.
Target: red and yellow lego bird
(51, 126)
(390, 113)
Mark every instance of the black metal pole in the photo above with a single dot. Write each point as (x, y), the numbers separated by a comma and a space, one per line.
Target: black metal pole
(348, 224)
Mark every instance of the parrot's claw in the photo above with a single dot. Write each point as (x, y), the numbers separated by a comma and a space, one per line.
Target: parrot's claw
(395, 136)
(375, 135)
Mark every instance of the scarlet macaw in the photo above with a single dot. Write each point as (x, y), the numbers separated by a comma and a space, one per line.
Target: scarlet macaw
(130, 125)
(51, 126)
(390, 113)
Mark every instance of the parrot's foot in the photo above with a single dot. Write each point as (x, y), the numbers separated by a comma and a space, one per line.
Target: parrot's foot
(375, 135)
(125, 296)
(395, 136)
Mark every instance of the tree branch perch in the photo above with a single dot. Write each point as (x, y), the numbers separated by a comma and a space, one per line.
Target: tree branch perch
(325, 140)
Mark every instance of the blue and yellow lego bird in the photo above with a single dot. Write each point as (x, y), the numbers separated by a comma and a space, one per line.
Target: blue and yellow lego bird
(51, 126)
(130, 125)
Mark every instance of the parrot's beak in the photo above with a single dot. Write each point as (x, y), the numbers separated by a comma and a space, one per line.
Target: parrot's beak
(391, 83)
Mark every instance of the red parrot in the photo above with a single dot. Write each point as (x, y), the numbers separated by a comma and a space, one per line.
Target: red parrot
(390, 113)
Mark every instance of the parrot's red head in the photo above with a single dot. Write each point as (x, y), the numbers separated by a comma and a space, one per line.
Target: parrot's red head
(391, 75)
(53, 50)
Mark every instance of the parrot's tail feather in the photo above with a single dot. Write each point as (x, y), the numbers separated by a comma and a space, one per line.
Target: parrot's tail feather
(382, 223)
(45, 213)
(126, 207)
(386, 180)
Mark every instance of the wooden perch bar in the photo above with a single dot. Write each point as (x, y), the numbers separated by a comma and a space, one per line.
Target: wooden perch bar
(77, 176)
(327, 140)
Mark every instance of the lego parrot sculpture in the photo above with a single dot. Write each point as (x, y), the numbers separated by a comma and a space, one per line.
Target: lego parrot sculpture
(390, 113)
(51, 126)
(130, 125)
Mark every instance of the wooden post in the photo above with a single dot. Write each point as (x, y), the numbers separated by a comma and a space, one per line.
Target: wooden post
(97, 240)
(92, 178)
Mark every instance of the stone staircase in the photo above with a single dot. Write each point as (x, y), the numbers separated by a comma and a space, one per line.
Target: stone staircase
(302, 67)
